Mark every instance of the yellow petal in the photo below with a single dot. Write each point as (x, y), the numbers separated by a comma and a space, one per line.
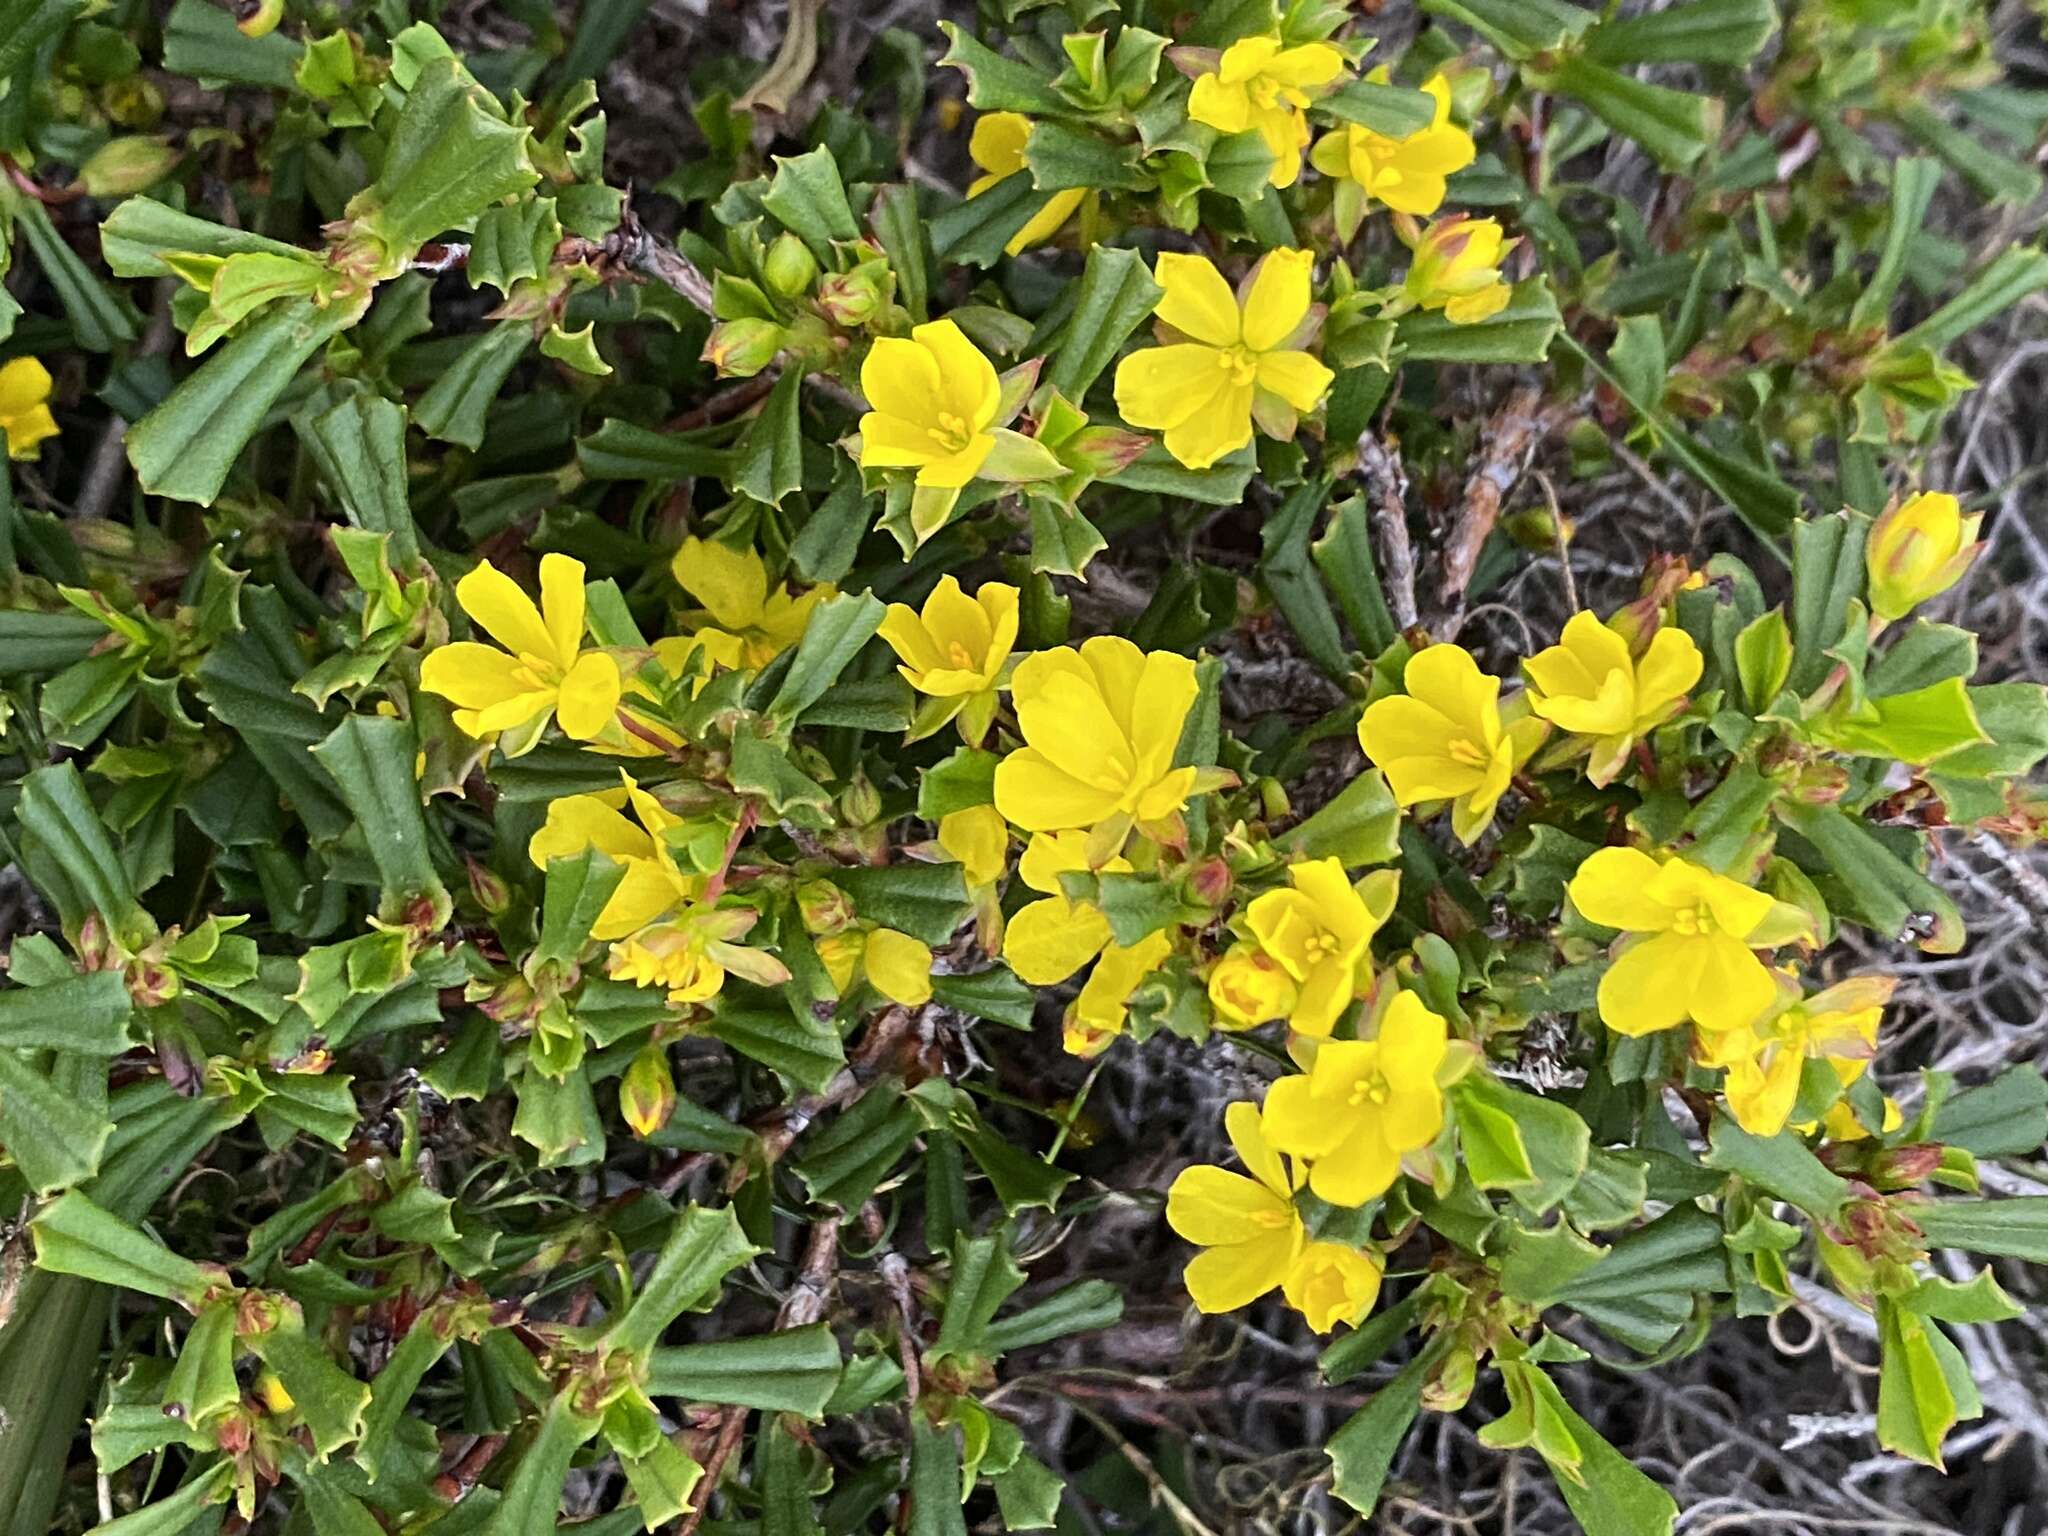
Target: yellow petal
(647, 892)
(1471, 308)
(473, 676)
(1198, 302)
(979, 839)
(1213, 1206)
(1049, 940)
(731, 583)
(956, 469)
(589, 696)
(1218, 429)
(1047, 222)
(1330, 1284)
(577, 822)
(1612, 889)
(1667, 672)
(900, 378)
(890, 442)
(1448, 679)
(1732, 987)
(1278, 298)
(1361, 1167)
(1296, 377)
(496, 602)
(900, 967)
(1305, 67)
(1217, 104)
(1161, 387)
(1039, 797)
(997, 144)
(1651, 985)
(1224, 1279)
(1245, 1126)
(24, 385)
(968, 384)
(561, 604)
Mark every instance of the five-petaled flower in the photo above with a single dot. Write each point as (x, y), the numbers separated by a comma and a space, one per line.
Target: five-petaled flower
(542, 673)
(1100, 725)
(1332, 1283)
(1241, 358)
(1694, 951)
(691, 954)
(997, 147)
(1918, 550)
(25, 418)
(956, 645)
(1259, 84)
(1592, 685)
(1364, 1104)
(653, 882)
(1319, 928)
(933, 398)
(1443, 739)
(1767, 1057)
(1407, 174)
(1456, 268)
(1248, 1229)
(732, 584)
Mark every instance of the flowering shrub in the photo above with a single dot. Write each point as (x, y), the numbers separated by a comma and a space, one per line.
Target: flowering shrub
(591, 831)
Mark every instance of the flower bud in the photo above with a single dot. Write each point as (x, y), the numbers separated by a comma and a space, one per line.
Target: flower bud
(647, 1092)
(1457, 269)
(1449, 1386)
(1918, 550)
(1273, 799)
(851, 299)
(489, 889)
(257, 18)
(860, 802)
(122, 166)
(1210, 881)
(1248, 987)
(790, 267)
(739, 349)
(1903, 1167)
(824, 907)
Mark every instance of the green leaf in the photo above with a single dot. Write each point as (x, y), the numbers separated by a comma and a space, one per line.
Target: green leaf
(793, 1371)
(451, 156)
(85, 1014)
(1919, 1372)
(1649, 1283)
(1827, 579)
(55, 1137)
(1676, 127)
(1610, 1495)
(995, 994)
(370, 758)
(809, 1054)
(1362, 825)
(2006, 1117)
(703, 1247)
(1520, 333)
(1362, 1450)
(181, 1513)
(1083, 1307)
(75, 1236)
(1344, 555)
(532, 1501)
(186, 446)
(1925, 726)
(2014, 1228)
(1491, 1143)
(1028, 1495)
(575, 894)
(927, 901)
(934, 1481)
(2014, 717)
(1297, 588)
(202, 40)
(808, 198)
(98, 319)
(839, 629)
(1518, 28)
(618, 450)
(769, 462)
(1730, 32)
(762, 767)
(454, 408)
(1555, 1140)
(959, 783)
(995, 83)
(25, 25)
(138, 233)
(843, 1161)
(359, 445)
(1871, 883)
(513, 243)
(56, 811)
(1115, 295)
(2013, 275)
(983, 1277)
(1391, 110)
(1912, 192)
(974, 231)
(1779, 1164)
(1061, 158)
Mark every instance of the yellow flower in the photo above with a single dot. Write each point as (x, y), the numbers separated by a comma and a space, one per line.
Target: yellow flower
(692, 954)
(1237, 363)
(652, 883)
(1443, 739)
(934, 397)
(1917, 551)
(899, 966)
(1364, 1104)
(1100, 726)
(1320, 930)
(1247, 1228)
(958, 644)
(1260, 85)
(1248, 987)
(1694, 959)
(1407, 174)
(1591, 685)
(1049, 940)
(547, 673)
(732, 584)
(997, 146)
(1766, 1058)
(1097, 1015)
(1331, 1284)
(1456, 269)
(979, 840)
(25, 416)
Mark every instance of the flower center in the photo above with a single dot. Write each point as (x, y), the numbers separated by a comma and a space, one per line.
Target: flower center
(1369, 1090)
(1240, 361)
(951, 433)
(1692, 922)
(1464, 750)
(1321, 946)
(960, 656)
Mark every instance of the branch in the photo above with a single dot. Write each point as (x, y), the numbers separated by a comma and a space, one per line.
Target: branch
(1386, 482)
(1511, 439)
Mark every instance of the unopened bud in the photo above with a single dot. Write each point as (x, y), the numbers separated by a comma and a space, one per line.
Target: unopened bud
(1903, 1167)
(1209, 882)
(790, 267)
(1449, 1386)
(1273, 799)
(257, 18)
(824, 907)
(739, 349)
(851, 299)
(860, 802)
(127, 165)
(489, 889)
(647, 1092)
